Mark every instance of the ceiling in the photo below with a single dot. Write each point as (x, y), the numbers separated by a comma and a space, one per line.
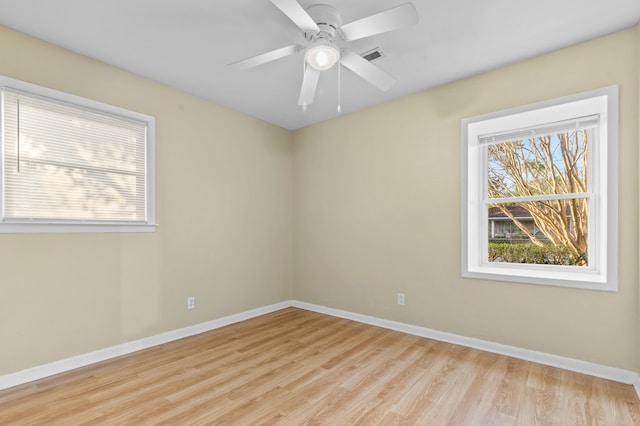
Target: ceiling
(187, 44)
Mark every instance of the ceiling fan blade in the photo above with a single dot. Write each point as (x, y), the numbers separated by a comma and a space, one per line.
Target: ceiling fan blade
(297, 14)
(263, 58)
(382, 22)
(367, 70)
(309, 86)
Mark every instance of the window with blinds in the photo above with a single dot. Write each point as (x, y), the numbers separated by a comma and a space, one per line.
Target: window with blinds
(540, 193)
(68, 161)
(538, 179)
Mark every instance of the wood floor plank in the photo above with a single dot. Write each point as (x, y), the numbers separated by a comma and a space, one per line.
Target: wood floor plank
(295, 367)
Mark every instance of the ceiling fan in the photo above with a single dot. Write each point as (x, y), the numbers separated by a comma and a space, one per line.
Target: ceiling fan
(323, 28)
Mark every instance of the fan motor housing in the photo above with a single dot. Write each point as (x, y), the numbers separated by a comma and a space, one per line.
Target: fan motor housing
(328, 20)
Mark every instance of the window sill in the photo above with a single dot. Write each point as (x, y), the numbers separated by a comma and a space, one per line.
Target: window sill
(33, 228)
(584, 280)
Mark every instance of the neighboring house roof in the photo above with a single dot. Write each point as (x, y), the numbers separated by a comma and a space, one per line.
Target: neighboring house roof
(518, 212)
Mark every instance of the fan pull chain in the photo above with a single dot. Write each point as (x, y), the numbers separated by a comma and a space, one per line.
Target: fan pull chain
(304, 69)
(339, 87)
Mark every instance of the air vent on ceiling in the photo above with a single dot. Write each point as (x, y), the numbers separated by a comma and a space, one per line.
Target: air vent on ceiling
(372, 55)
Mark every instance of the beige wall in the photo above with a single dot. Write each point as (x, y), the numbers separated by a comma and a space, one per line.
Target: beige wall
(638, 142)
(224, 188)
(377, 211)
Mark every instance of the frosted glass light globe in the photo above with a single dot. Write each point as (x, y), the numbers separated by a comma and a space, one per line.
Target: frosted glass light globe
(322, 56)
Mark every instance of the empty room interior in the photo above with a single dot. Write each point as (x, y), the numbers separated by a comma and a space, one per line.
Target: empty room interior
(436, 223)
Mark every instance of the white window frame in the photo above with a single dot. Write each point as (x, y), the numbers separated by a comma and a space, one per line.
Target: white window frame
(601, 274)
(39, 226)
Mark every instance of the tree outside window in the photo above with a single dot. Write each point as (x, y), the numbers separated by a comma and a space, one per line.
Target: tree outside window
(547, 166)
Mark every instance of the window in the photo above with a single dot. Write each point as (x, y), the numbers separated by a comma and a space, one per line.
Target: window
(539, 193)
(70, 164)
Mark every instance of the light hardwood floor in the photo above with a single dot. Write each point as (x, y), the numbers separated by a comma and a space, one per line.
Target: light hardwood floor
(296, 367)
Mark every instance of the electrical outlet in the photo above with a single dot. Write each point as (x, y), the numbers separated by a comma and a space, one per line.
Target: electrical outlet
(401, 299)
(191, 302)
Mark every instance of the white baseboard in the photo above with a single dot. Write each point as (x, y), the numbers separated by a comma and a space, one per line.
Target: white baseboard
(592, 369)
(56, 367)
(636, 385)
(584, 367)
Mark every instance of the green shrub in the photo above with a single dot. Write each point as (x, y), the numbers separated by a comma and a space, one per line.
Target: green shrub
(549, 254)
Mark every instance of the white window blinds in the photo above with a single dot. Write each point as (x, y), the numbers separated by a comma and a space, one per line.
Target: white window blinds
(589, 122)
(68, 163)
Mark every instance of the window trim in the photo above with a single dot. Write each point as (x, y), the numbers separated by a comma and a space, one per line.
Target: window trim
(600, 276)
(64, 226)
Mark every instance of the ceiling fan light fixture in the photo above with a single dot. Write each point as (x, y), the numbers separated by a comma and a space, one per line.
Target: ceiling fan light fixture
(322, 55)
